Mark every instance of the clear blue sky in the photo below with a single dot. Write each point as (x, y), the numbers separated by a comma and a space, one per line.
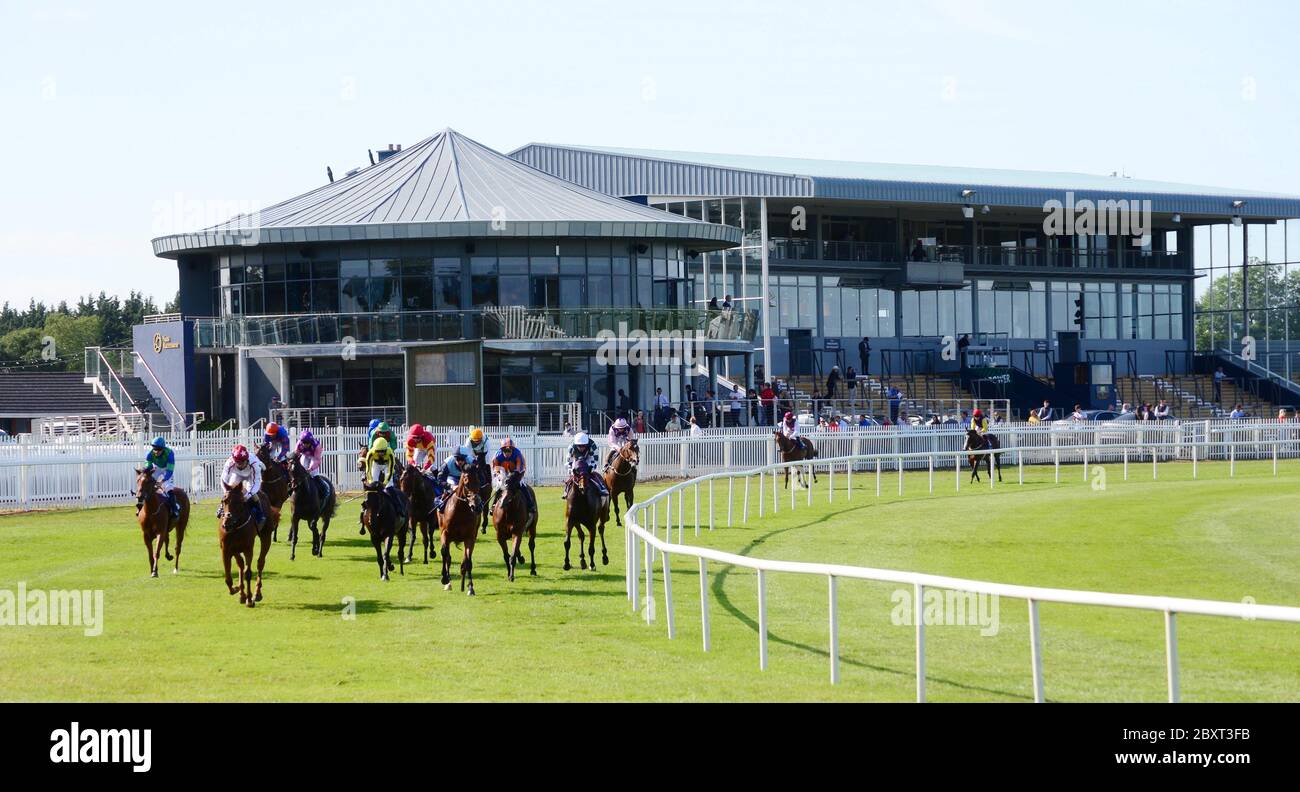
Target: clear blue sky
(115, 113)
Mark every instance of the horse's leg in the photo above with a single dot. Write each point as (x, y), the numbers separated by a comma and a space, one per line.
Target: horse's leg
(424, 538)
(507, 557)
(446, 564)
(401, 551)
(388, 554)
(261, 560)
(180, 540)
(248, 578)
(568, 531)
(379, 554)
(516, 556)
(604, 551)
(293, 538)
(618, 518)
(148, 551)
(467, 567)
(582, 547)
(324, 529)
(532, 558)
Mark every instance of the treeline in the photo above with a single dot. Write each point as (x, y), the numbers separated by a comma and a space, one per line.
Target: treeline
(54, 338)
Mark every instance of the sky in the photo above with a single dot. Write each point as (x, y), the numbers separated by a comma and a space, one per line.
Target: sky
(124, 122)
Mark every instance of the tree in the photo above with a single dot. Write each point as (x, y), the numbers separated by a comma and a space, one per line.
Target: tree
(72, 335)
(24, 343)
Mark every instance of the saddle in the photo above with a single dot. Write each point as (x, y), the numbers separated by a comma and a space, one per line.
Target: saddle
(324, 487)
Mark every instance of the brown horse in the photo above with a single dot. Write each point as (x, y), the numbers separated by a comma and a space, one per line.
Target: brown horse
(275, 483)
(620, 478)
(977, 442)
(310, 506)
(512, 518)
(236, 535)
(792, 451)
(418, 490)
(458, 522)
(156, 521)
(379, 514)
(585, 507)
(483, 484)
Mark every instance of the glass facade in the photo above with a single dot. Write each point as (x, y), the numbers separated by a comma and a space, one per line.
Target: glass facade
(1248, 284)
(393, 277)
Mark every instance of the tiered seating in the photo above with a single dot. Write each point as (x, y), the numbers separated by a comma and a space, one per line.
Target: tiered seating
(49, 394)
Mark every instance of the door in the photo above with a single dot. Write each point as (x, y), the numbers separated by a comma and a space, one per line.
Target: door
(801, 362)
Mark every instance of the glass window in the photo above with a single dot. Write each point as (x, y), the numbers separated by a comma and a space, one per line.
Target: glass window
(445, 368)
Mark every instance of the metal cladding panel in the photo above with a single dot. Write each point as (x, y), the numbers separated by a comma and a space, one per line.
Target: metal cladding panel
(1035, 198)
(622, 175)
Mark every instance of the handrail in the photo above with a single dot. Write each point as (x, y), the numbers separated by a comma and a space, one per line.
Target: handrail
(180, 415)
(650, 544)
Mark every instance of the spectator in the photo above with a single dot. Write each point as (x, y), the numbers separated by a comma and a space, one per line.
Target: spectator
(962, 344)
(1162, 411)
(568, 429)
(768, 401)
(895, 401)
(661, 408)
(639, 424)
(832, 382)
(864, 355)
(695, 429)
(624, 405)
(674, 423)
(755, 417)
(1044, 413)
(737, 406)
(851, 381)
(903, 421)
(918, 251)
(1126, 409)
(1078, 414)
(1281, 415)
(272, 407)
(1142, 413)
(713, 303)
(707, 406)
(1237, 412)
(1219, 377)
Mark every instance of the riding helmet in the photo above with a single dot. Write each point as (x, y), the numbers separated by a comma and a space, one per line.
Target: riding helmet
(240, 454)
(158, 442)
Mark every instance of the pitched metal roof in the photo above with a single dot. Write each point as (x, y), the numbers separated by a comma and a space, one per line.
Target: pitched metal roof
(628, 172)
(449, 186)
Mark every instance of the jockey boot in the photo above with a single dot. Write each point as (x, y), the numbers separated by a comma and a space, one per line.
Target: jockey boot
(174, 504)
(258, 514)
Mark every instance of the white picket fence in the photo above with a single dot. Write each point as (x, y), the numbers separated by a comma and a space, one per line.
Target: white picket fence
(694, 504)
(71, 472)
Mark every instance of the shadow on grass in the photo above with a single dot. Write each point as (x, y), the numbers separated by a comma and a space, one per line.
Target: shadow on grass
(719, 594)
(362, 607)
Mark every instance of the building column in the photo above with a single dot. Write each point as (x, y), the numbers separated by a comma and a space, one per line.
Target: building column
(241, 387)
(766, 288)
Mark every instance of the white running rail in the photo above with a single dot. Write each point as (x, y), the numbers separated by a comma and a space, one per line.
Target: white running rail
(642, 525)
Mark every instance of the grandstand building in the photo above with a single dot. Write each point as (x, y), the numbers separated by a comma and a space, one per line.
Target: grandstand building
(446, 280)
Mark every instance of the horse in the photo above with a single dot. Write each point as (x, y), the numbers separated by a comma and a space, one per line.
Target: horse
(156, 521)
(585, 507)
(308, 505)
(236, 534)
(458, 522)
(419, 493)
(275, 483)
(977, 442)
(512, 517)
(793, 451)
(483, 484)
(379, 514)
(620, 478)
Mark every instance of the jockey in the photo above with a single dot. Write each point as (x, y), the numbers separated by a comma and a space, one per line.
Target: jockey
(510, 460)
(245, 470)
(420, 447)
(381, 466)
(978, 423)
(381, 429)
(277, 437)
(790, 427)
(310, 452)
(312, 455)
(161, 464)
(620, 434)
(448, 476)
(478, 443)
(582, 456)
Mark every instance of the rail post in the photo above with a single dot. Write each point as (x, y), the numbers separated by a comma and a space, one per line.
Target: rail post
(835, 635)
(1171, 656)
(668, 595)
(1036, 651)
(762, 621)
(704, 601)
(918, 616)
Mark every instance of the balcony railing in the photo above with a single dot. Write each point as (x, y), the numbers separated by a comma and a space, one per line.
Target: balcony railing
(797, 249)
(507, 323)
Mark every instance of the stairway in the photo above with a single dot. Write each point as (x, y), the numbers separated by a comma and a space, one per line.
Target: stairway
(1191, 397)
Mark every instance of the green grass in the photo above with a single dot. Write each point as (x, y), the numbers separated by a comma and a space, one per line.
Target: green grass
(572, 635)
